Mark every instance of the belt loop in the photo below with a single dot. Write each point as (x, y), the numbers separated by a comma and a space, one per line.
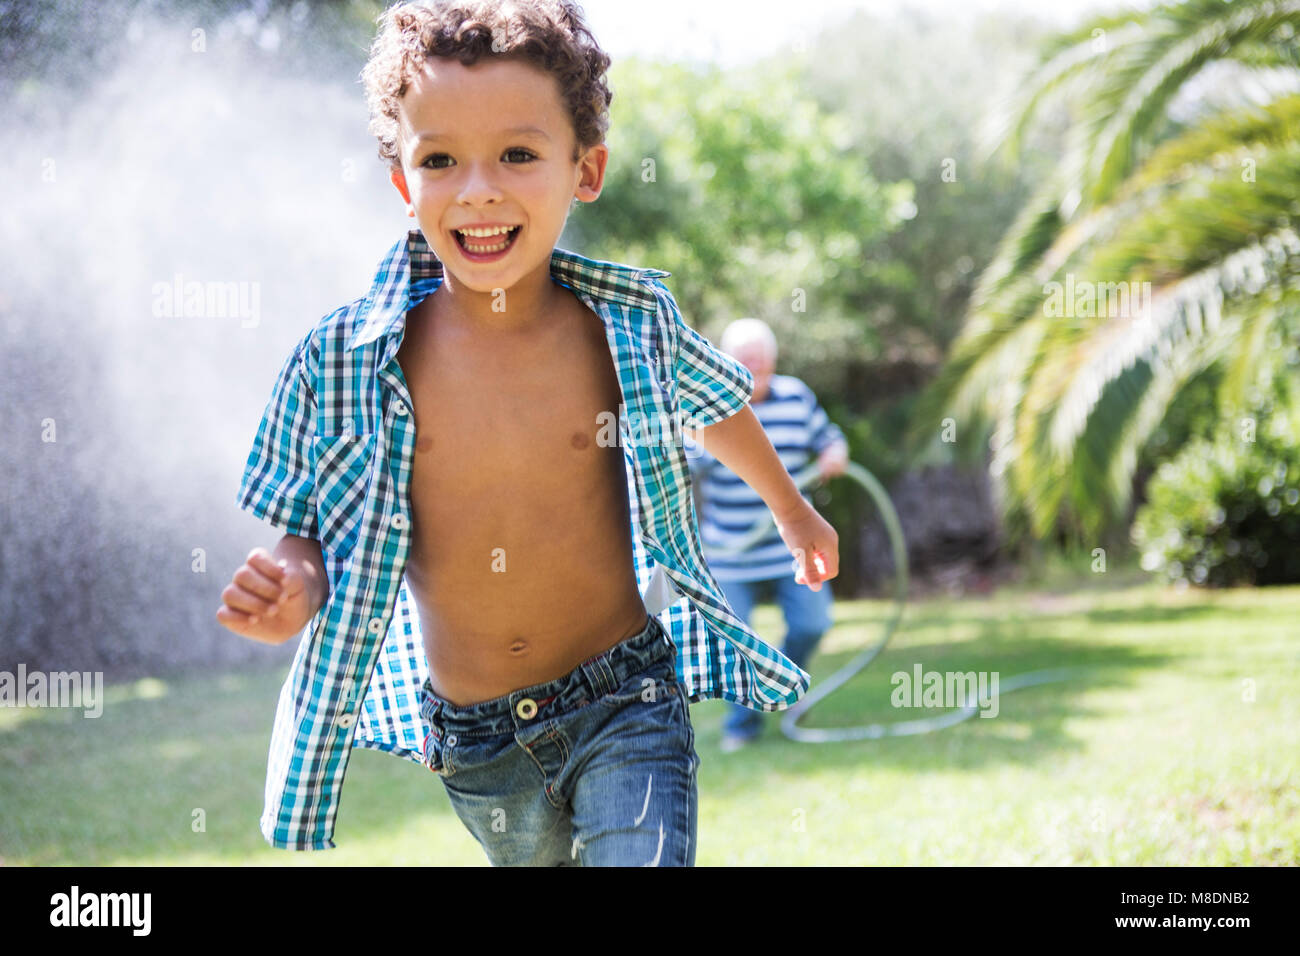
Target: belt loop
(599, 675)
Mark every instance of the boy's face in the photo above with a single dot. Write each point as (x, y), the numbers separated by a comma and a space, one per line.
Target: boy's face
(466, 160)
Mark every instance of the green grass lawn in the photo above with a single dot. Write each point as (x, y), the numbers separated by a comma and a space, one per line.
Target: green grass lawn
(1161, 757)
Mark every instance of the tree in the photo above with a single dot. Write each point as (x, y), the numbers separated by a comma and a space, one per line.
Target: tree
(745, 191)
(1163, 244)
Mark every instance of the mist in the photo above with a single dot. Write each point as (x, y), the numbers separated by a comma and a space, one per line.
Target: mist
(177, 210)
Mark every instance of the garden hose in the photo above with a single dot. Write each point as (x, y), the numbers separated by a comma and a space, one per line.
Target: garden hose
(804, 480)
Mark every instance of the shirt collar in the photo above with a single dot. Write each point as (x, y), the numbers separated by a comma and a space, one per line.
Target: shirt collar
(410, 271)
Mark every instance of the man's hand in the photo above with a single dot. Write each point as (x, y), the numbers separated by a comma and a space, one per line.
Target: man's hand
(266, 600)
(834, 460)
(805, 532)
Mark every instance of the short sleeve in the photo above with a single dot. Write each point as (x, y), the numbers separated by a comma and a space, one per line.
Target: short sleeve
(278, 484)
(822, 430)
(711, 385)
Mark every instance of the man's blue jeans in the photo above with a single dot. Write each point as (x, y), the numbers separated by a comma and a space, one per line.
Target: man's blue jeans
(595, 768)
(807, 618)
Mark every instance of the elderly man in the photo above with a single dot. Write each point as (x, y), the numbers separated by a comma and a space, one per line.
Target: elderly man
(799, 431)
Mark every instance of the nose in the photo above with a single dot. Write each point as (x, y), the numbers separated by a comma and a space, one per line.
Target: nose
(478, 186)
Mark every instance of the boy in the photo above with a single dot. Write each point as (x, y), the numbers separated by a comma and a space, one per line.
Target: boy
(459, 520)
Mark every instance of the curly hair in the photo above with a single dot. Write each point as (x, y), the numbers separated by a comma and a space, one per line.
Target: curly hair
(550, 34)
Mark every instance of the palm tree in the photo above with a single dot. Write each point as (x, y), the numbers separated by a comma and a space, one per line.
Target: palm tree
(1165, 241)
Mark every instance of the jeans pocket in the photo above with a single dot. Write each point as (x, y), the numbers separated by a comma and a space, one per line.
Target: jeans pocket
(656, 681)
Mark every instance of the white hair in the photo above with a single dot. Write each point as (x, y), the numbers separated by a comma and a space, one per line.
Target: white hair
(743, 331)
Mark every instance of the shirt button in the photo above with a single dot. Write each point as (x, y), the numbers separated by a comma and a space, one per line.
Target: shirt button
(399, 407)
(347, 720)
(526, 708)
(376, 625)
(398, 521)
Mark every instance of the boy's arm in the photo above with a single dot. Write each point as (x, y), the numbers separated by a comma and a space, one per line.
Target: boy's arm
(714, 390)
(273, 595)
(305, 556)
(740, 443)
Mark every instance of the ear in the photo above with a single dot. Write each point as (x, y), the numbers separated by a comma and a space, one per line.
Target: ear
(398, 178)
(592, 173)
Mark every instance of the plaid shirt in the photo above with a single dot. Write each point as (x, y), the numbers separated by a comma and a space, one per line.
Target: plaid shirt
(332, 460)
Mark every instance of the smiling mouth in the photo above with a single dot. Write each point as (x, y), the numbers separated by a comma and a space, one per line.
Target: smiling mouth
(486, 245)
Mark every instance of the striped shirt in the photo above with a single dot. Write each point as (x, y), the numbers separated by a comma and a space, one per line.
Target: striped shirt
(799, 430)
(332, 459)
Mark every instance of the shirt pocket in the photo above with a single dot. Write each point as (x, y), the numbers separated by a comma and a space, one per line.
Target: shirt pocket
(344, 465)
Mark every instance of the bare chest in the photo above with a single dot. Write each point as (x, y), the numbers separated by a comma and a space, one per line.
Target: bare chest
(496, 409)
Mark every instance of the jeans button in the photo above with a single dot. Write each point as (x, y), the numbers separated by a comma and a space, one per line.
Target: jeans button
(526, 708)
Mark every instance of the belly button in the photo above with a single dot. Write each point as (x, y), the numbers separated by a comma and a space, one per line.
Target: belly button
(518, 647)
(579, 440)
(423, 444)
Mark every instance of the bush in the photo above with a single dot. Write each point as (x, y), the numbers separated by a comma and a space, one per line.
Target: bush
(1227, 511)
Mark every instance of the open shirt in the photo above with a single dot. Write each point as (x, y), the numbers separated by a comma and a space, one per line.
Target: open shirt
(332, 459)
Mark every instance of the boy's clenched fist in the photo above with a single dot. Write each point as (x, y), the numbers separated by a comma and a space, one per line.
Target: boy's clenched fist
(266, 600)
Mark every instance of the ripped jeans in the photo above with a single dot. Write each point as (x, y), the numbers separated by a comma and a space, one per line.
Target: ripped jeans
(596, 768)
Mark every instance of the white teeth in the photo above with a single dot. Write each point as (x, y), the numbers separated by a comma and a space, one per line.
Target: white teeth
(501, 232)
(485, 233)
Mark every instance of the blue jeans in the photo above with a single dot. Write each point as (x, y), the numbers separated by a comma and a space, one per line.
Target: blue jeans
(596, 768)
(807, 618)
